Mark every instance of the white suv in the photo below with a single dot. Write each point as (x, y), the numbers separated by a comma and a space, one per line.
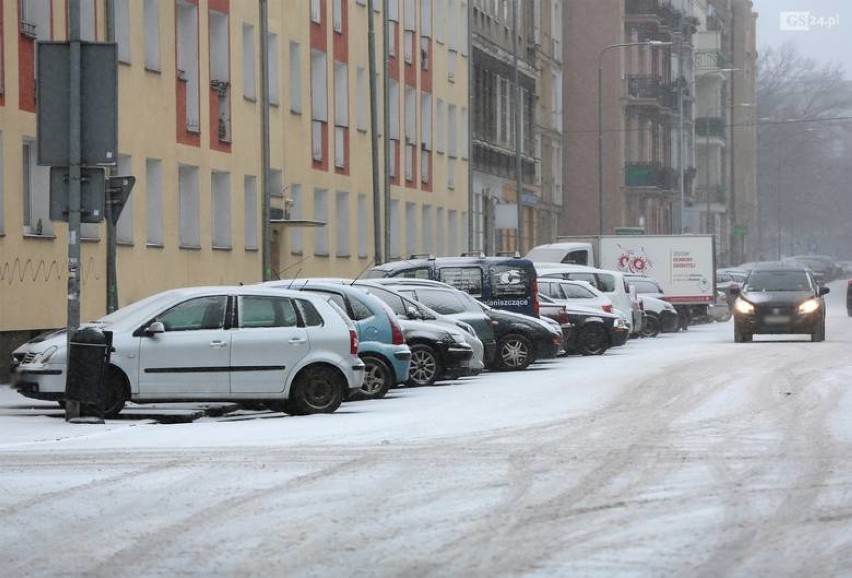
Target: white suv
(289, 349)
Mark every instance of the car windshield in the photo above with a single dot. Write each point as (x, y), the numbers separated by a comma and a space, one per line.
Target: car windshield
(778, 281)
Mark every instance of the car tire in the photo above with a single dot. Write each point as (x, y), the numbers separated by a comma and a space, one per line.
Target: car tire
(115, 393)
(514, 352)
(741, 336)
(425, 366)
(592, 339)
(378, 378)
(317, 389)
(650, 326)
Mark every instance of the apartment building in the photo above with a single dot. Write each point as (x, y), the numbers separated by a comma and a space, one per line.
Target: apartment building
(495, 128)
(190, 132)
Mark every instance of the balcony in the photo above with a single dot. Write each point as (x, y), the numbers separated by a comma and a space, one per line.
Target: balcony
(649, 175)
(710, 60)
(710, 126)
(647, 90)
(658, 11)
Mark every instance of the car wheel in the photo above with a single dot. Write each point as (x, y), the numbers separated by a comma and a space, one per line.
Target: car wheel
(115, 393)
(592, 339)
(317, 389)
(741, 336)
(514, 352)
(650, 326)
(425, 366)
(377, 378)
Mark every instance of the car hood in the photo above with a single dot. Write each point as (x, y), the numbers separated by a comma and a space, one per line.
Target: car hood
(776, 297)
(511, 316)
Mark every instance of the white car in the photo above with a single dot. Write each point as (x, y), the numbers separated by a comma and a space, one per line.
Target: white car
(289, 349)
(574, 292)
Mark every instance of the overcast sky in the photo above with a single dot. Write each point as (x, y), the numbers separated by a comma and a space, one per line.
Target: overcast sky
(829, 22)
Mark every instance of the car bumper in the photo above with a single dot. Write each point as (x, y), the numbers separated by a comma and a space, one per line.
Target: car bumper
(796, 324)
(548, 349)
(620, 335)
(668, 321)
(457, 361)
(401, 364)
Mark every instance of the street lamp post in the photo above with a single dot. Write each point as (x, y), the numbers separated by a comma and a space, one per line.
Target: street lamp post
(601, 204)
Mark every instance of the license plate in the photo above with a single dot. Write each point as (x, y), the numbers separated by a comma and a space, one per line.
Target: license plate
(776, 319)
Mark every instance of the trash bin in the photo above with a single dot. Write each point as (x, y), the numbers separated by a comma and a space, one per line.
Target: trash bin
(88, 357)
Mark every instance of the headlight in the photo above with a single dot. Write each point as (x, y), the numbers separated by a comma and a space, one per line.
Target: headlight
(48, 353)
(744, 307)
(808, 306)
(458, 337)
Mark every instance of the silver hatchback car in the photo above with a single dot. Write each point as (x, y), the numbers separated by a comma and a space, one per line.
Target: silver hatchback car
(289, 349)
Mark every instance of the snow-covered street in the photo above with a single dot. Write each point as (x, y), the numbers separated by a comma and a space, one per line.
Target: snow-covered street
(684, 455)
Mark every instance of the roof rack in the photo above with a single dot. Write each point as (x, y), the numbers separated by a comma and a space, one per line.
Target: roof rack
(514, 254)
(421, 256)
(473, 254)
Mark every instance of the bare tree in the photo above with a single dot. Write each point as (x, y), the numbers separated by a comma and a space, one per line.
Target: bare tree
(804, 112)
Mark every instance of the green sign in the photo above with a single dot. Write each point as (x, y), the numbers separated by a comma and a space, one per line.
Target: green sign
(740, 230)
(629, 230)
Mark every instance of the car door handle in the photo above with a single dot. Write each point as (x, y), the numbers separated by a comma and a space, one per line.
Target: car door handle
(218, 344)
(297, 340)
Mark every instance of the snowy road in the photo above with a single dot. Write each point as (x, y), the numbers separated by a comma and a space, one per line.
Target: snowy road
(685, 455)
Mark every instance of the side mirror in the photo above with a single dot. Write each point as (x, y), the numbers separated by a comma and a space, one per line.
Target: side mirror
(155, 328)
(734, 290)
(823, 291)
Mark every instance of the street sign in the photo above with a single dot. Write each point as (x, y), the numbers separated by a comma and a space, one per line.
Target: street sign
(98, 99)
(118, 191)
(740, 230)
(92, 194)
(629, 230)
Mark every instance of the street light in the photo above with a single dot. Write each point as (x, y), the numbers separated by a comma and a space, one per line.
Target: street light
(601, 213)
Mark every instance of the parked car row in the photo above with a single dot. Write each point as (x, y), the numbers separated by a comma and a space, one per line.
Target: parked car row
(306, 345)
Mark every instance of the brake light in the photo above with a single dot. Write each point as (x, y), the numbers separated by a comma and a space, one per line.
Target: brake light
(606, 308)
(397, 338)
(353, 342)
(535, 306)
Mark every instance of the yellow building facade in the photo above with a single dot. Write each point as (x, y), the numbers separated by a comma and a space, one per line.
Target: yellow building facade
(190, 132)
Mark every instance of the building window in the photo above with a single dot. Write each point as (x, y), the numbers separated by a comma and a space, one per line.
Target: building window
(342, 219)
(395, 243)
(220, 192)
(272, 68)
(87, 20)
(463, 126)
(453, 237)
(121, 25)
(363, 221)
(35, 188)
(296, 213)
(337, 15)
(321, 214)
(361, 88)
(154, 201)
(410, 131)
(220, 73)
(428, 232)
(316, 12)
(188, 233)
(410, 228)
(295, 78)
(152, 34)
(249, 89)
(452, 131)
(187, 60)
(319, 101)
(341, 112)
(440, 236)
(426, 18)
(441, 126)
(250, 212)
(124, 228)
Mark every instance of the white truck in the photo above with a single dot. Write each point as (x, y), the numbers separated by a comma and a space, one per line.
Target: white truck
(684, 265)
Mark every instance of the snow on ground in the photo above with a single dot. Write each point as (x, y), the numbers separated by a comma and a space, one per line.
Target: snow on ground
(684, 455)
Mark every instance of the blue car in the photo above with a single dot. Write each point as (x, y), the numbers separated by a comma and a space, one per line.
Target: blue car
(381, 343)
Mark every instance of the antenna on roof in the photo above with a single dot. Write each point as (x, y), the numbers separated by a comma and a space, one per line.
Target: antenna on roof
(369, 264)
(293, 280)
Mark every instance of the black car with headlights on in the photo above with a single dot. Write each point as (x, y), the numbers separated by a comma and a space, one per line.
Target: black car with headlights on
(779, 301)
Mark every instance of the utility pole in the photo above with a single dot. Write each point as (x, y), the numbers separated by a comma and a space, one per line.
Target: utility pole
(109, 207)
(72, 407)
(386, 114)
(519, 113)
(264, 141)
(374, 134)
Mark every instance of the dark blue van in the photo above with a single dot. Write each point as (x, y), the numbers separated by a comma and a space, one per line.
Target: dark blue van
(507, 283)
